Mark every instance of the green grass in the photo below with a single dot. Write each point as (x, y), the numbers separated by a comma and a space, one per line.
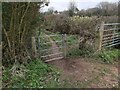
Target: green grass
(37, 75)
(109, 56)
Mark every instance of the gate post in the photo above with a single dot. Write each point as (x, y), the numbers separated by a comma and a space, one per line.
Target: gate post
(39, 47)
(101, 35)
(34, 50)
(64, 45)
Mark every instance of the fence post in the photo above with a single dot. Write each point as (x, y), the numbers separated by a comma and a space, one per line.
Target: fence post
(101, 35)
(39, 41)
(113, 36)
(65, 45)
(34, 47)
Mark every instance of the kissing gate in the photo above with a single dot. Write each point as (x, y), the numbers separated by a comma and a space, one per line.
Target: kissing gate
(52, 47)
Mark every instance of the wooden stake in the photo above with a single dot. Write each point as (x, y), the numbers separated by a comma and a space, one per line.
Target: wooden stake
(65, 45)
(101, 35)
(34, 47)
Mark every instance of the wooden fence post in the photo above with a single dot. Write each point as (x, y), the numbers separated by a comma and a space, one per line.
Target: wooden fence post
(39, 55)
(65, 45)
(101, 35)
(34, 50)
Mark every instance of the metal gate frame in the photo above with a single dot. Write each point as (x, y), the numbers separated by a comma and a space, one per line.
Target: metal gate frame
(63, 42)
(109, 40)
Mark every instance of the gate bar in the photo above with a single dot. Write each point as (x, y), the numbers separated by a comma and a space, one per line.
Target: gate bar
(54, 59)
(51, 54)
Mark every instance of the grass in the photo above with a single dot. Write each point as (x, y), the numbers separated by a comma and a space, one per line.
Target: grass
(37, 75)
(109, 56)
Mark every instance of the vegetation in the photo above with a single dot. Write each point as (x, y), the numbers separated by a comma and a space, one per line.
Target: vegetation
(19, 21)
(23, 20)
(109, 56)
(72, 8)
(35, 74)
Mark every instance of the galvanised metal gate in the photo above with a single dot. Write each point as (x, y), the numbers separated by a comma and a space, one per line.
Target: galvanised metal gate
(52, 49)
(109, 35)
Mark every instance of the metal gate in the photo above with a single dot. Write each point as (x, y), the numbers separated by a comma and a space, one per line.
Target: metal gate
(109, 35)
(52, 47)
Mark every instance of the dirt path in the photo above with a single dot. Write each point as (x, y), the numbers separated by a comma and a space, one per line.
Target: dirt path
(54, 49)
(82, 73)
(87, 74)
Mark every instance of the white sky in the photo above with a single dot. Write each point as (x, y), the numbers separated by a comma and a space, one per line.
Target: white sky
(61, 5)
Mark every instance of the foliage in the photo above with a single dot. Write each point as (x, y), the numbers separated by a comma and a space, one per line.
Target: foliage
(102, 9)
(109, 19)
(62, 24)
(83, 27)
(19, 21)
(72, 8)
(37, 75)
(83, 24)
(108, 9)
(109, 56)
(72, 25)
(84, 52)
(50, 10)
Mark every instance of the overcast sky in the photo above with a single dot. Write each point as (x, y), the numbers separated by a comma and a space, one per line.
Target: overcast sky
(61, 5)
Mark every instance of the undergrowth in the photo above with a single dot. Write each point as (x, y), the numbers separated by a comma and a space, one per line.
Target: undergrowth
(37, 75)
(109, 56)
(76, 52)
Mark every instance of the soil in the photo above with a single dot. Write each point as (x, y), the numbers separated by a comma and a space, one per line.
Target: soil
(85, 72)
(89, 74)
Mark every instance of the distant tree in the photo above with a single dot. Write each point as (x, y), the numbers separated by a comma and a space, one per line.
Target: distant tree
(56, 12)
(72, 8)
(108, 9)
(93, 11)
(82, 12)
(65, 12)
(102, 9)
(50, 10)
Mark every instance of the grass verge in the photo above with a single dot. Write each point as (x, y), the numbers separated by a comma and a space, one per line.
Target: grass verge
(36, 74)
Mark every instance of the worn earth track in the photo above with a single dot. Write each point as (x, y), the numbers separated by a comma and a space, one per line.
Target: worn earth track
(89, 74)
(79, 72)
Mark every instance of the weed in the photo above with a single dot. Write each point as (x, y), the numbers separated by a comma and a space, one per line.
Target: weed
(38, 75)
(109, 56)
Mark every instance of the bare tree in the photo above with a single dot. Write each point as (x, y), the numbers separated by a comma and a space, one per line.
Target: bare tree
(50, 10)
(72, 8)
(108, 9)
